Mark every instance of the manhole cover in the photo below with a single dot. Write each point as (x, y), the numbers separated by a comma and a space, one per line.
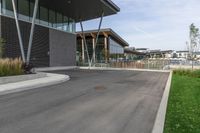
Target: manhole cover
(99, 87)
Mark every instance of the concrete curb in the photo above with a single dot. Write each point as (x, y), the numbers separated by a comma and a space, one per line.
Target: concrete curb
(20, 78)
(55, 68)
(160, 118)
(125, 69)
(51, 79)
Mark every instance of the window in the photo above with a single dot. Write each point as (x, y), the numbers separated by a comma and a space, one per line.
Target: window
(52, 18)
(65, 23)
(70, 25)
(43, 16)
(115, 48)
(32, 5)
(0, 8)
(7, 7)
(59, 21)
(23, 9)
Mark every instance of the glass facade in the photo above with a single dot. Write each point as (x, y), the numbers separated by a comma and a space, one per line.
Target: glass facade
(116, 51)
(46, 17)
(113, 52)
(115, 48)
(99, 51)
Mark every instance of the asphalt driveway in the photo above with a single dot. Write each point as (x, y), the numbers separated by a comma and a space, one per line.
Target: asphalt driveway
(91, 102)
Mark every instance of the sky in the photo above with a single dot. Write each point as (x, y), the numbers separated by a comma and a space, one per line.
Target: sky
(154, 24)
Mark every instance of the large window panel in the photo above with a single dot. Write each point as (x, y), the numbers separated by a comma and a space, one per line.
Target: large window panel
(43, 16)
(0, 7)
(59, 20)
(46, 17)
(115, 48)
(70, 25)
(52, 18)
(65, 23)
(32, 5)
(23, 9)
(7, 7)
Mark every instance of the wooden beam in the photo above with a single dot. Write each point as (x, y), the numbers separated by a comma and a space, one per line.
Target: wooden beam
(105, 34)
(80, 35)
(93, 36)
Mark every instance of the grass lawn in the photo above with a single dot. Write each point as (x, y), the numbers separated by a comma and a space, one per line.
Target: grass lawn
(183, 113)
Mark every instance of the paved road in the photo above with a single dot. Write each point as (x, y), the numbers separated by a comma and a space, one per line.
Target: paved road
(91, 102)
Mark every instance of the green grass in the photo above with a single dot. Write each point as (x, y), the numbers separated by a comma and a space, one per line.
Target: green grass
(183, 113)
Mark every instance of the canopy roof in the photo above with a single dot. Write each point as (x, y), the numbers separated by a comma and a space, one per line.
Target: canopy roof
(81, 10)
(106, 32)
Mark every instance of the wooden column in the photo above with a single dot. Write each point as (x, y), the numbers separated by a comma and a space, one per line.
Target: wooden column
(83, 50)
(94, 49)
(106, 49)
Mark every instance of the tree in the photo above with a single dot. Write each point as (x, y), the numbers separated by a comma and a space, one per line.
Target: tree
(194, 41)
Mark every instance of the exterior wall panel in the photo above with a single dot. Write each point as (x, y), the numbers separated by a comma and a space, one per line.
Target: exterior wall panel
(40, 47)
(62, 48)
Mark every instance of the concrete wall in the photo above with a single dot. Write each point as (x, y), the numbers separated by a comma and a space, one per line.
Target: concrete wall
(62, 48)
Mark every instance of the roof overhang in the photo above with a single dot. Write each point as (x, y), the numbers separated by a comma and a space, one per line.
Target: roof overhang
(106, 32)
(81, 10)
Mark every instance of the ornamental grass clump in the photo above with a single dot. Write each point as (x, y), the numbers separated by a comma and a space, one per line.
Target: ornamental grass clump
(10, 67)
(187, 72)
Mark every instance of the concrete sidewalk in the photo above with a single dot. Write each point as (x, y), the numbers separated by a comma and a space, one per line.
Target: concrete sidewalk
(56, 68)
(49, 79)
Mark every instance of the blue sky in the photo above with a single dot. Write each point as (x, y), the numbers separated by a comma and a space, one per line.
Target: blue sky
(154, 24)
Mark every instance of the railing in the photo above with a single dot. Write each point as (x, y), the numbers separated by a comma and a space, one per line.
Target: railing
(158, 64)
(152, 64)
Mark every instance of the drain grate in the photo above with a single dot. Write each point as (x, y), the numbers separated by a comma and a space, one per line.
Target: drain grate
(100, 87)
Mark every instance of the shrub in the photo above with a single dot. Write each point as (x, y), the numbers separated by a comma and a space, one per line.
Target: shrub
(9, 67)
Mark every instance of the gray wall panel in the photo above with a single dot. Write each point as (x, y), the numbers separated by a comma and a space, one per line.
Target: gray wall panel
(62, 48)
(0, 26)
(40, 47)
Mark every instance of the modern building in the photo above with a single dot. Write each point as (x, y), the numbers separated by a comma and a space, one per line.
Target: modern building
(132, 54)
(182, 54)
(142, 50)
(42, 32)
(167, 54)
(109, 47)
(197, 55)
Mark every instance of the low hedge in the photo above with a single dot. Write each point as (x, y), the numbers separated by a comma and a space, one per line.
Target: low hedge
(11, 67)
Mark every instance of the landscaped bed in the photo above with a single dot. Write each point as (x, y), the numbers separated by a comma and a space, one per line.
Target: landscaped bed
(183, 113)
(11, 67)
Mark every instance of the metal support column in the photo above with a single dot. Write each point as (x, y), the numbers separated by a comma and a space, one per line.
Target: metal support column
(32, 31)
(97, 38)
(18, 31)
(86, 47)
